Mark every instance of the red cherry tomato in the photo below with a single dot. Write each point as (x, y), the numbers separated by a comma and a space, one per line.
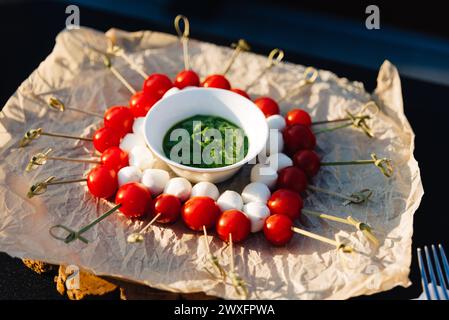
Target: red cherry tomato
(298, 116)
(186, 78)
(102, 182)
(286, 202)
(169, 208)
(267, 105)
(156, 85)
(278, 229)
(292, 178)
(298, 137)
(200, 211)
(233, 222)
(308, 161)
(120, 119)
(105, 138)
(241, 92)
(141, 103)
(135, 199)
(216, 81)
(114, 158)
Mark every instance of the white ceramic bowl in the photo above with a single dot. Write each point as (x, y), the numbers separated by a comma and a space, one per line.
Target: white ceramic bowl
(205, 101)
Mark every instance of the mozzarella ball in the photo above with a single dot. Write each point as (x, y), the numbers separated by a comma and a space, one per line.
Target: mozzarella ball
(256, 192)
(130, 141)
(128, 174)
(205, 189)
(170, 92)
(155, 180)
(141, 157)
(179, 187)
(276, 122)
(279, 161)
(230, 200)
(138, 126)
(275, 142)
(264, 174)
(257, 213)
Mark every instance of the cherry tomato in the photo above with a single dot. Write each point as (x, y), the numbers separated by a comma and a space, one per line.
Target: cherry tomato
(141, 103)
(156, 85)
(233, 222)
(241, 92)
(308, 161)
(298, 116)
(292, 178)
(216, 81)
(102, 181)
(120, 119)
(278, 229)
(105, 138)
(114, 158)
(200, 211)
(267, 105)
(186, 78)
(286, 202)
(135, 199)
(298, 137)
(169, 208)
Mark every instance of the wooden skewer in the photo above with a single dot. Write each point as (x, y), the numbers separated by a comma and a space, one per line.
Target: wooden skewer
(240, 46)
(41, 187)
(309, 77)
(274, 58)
(34, 134)
(41, 158)
(58, 105)
(138, 236)
(340, 246)
(183, 37)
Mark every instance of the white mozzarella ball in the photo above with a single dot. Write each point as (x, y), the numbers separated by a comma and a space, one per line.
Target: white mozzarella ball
(138, 126)
(279, 161)
(205, 189)
(141, 157)
(130, 141)
(257, 213)
(170, 92)
(155, 180)
(128, 174)
(275, 142)
(179, 187)
(264, 174)
(256, 192)
(276, 121)
(230, 200)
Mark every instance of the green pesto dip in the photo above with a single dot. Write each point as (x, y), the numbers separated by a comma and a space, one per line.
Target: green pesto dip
(205, 141)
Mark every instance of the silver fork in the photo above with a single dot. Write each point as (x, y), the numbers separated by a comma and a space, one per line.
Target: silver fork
(443, 277)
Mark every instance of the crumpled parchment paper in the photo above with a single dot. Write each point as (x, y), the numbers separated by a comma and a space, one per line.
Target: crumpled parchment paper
(172, 257)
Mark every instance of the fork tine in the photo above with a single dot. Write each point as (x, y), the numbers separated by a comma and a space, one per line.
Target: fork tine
(424, 281)
(439, 272)
(431, 273)
(445, 263)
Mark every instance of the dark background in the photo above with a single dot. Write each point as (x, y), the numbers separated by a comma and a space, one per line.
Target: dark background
(326, 34)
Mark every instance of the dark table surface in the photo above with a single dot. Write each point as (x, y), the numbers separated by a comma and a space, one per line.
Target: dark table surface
(29, 30)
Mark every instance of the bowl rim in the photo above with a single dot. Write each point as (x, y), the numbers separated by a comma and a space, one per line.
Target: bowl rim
(170, 162)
